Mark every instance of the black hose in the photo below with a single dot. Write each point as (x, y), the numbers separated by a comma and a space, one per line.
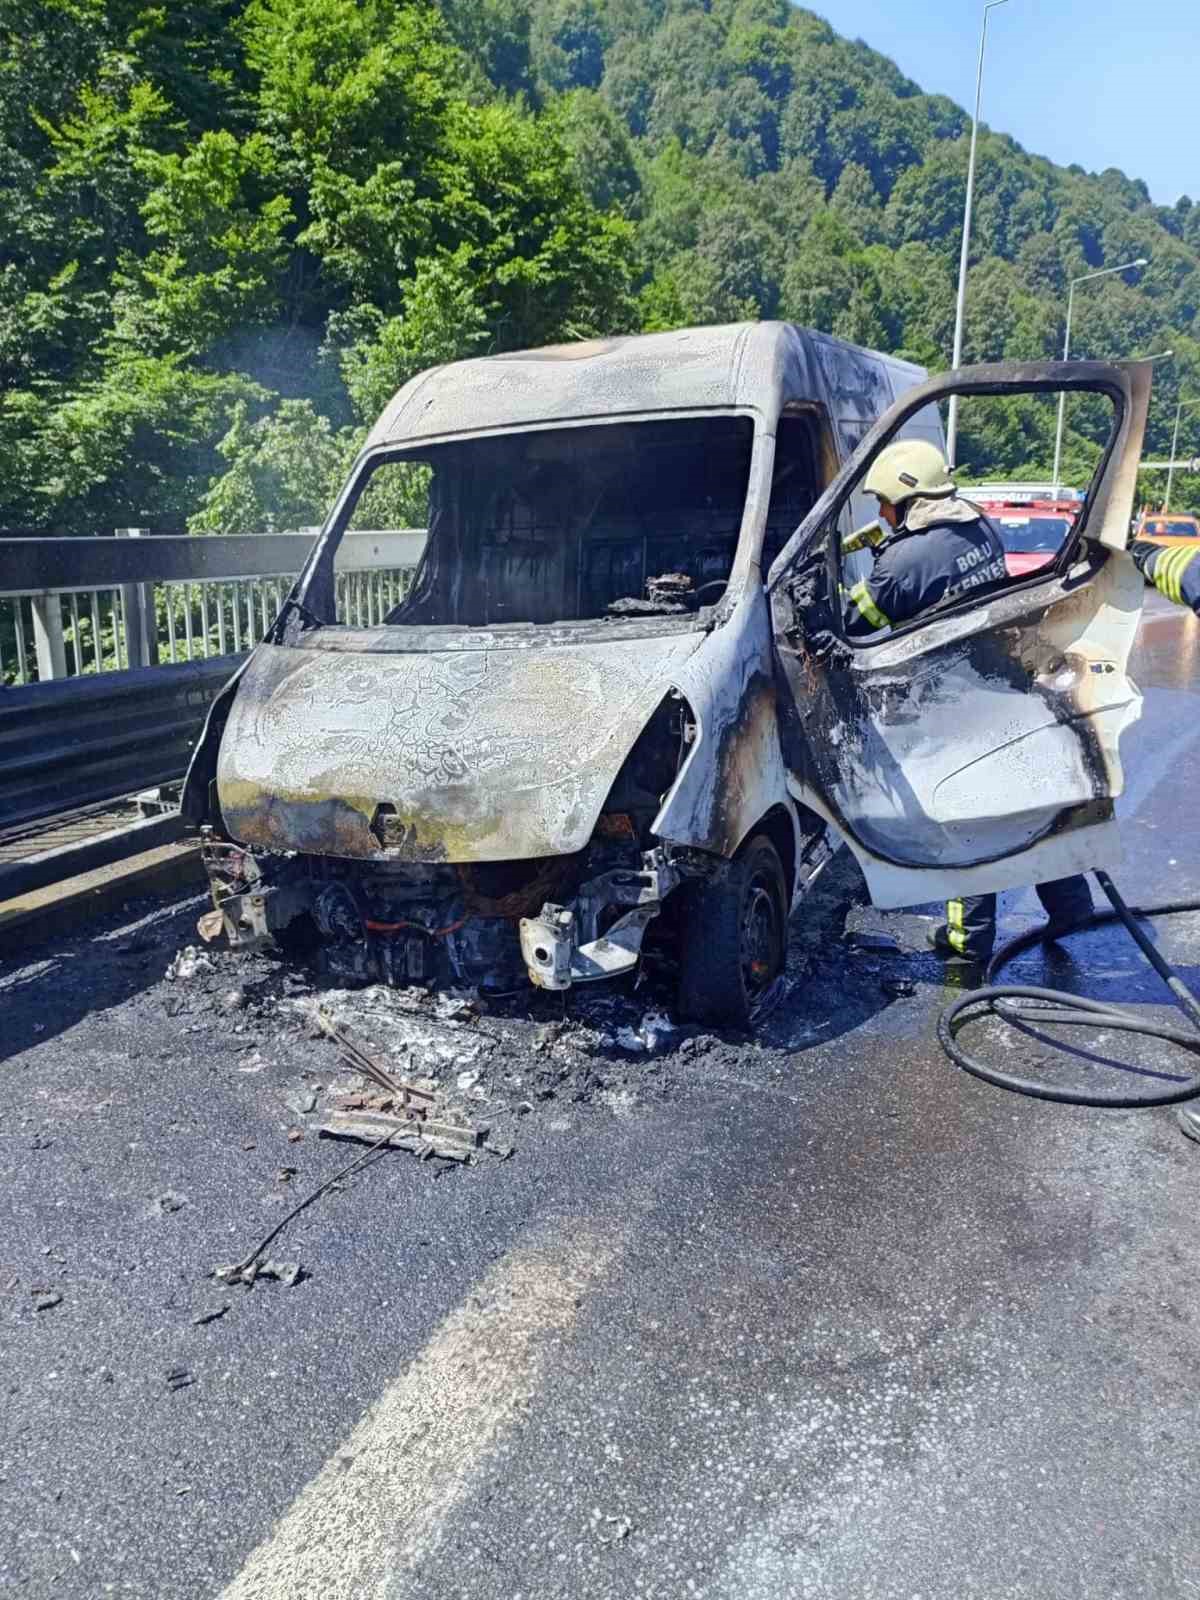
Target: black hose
(1055, 1006)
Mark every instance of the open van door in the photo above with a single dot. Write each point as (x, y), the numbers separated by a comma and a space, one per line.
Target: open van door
(975, 747)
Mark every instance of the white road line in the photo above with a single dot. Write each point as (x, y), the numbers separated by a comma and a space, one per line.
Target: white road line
(377, 1505)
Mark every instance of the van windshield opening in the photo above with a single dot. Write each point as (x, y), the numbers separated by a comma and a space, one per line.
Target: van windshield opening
(566, 524)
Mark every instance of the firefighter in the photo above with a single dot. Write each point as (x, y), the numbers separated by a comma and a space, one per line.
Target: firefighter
(939, 548)
(1174, 570)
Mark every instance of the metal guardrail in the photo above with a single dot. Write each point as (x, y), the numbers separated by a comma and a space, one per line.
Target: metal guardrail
(80, 607)
(82, 741)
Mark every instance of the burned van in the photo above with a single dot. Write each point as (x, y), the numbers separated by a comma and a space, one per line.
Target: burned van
(617, 707)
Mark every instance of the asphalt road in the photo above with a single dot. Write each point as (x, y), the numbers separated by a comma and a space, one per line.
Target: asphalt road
(812, 1315)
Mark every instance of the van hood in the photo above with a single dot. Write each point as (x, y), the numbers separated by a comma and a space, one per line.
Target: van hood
(455, 756)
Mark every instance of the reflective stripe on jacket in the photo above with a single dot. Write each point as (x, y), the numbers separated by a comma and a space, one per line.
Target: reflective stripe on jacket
(1174, 570)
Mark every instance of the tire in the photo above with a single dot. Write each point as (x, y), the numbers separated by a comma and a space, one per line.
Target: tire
(733, 937)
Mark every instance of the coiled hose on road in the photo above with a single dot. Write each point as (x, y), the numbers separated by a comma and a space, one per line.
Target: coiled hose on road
(1055, 1006)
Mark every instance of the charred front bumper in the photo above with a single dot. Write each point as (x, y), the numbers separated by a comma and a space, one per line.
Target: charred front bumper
(496, 927)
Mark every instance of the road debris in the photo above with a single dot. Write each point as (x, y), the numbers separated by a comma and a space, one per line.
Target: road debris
(609, 1529)
(171, 1202)
(248, 1272)
(457, 1005)
(368, 1119)
(45, 1299)
(189, 964)
(179, 1378)
(651, 1033)
(250, 1267)
(404, 1108)
(210, 1316)
(411, 1026)
(898, 988)
(877, 943)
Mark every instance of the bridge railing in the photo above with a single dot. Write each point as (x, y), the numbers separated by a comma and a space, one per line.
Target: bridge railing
(75, 607)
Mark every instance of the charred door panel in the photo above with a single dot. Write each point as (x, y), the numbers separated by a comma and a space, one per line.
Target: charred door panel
(973, 738)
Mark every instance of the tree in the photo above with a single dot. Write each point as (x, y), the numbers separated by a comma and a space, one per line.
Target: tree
(856, 201)
(601, 152)
(442, 321)
(567, 39)
(283, 470)
(218, 230)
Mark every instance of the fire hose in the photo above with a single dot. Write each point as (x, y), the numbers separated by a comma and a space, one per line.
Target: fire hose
(1027, 1004)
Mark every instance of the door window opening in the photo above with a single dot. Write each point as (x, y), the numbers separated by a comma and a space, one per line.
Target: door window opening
(952, 551)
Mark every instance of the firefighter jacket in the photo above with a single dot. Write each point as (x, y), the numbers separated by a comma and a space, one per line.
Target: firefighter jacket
(943, 549)
(1174, 570)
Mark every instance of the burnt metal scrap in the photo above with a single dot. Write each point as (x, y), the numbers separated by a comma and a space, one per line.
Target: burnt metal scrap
(403, 1109)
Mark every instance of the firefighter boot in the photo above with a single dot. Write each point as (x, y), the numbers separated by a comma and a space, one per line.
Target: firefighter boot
(1067, 902)
(969, 931)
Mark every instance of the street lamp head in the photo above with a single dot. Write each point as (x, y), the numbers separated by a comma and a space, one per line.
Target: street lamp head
(1140, 262)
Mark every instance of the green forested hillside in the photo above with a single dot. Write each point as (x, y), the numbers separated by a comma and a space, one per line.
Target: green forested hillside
(232, 227)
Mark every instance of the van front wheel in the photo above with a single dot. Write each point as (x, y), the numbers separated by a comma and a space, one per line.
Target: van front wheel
(733, 937)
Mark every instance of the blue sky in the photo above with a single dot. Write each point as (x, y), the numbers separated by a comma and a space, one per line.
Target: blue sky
(1097, 82)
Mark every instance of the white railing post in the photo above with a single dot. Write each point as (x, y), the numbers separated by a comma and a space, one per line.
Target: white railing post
(141, 618)
(48, 635)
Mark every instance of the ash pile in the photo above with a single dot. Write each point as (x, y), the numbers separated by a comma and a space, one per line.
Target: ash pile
(450, 1058)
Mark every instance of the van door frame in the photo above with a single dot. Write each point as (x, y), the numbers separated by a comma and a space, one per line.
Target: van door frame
(1076, 835)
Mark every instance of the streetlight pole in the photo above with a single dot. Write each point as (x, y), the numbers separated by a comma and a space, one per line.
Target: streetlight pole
(1105, 272)
(1179, 410)
(960, 308)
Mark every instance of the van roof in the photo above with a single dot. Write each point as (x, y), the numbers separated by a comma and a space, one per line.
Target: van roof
(688, 368)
